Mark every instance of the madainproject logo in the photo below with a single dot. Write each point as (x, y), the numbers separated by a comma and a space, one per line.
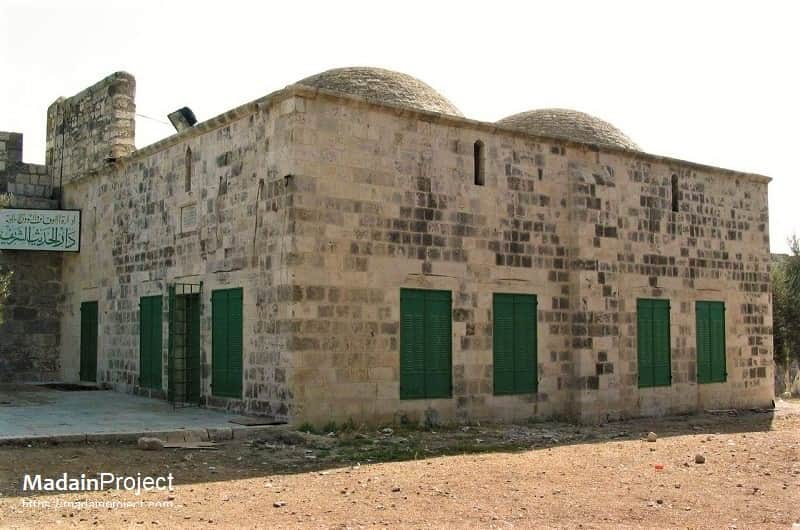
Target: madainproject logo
(104, 481)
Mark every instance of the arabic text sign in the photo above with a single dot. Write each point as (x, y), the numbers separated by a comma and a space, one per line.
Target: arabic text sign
(58, 230)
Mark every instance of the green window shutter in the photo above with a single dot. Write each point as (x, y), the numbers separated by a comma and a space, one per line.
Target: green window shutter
(425, 344)
(438, 344)
(644, 341)
(150, 345)
(156, 333)
(144, 343)
(711, 366)
(717, 324)
(503, 343)
(662, 371)
(525, 344)
(235, 341)
(226, 342)
(219, 342)
(412, 344)
(653, 342)
(703, 339)
(514, 338)
(88, 347)
(84, 342)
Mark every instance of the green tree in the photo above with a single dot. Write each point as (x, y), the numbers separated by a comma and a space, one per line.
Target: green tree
(5, 277)
(786, 304)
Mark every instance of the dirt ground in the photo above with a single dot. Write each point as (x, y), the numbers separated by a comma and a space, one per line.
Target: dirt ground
(486, 476)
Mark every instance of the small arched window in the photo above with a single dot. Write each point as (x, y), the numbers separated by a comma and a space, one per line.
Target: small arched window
(478, 159)
(674, 193)
(188, 162)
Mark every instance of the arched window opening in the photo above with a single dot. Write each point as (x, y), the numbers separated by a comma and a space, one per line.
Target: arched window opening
(479, 163)
(188, 181)
(674, 193)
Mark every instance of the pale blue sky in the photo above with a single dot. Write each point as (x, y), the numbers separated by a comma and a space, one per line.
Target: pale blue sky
(712, 82)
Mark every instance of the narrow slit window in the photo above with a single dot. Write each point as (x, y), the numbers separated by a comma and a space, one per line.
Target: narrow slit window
(188, 181)
(479, 163)
(674, 193)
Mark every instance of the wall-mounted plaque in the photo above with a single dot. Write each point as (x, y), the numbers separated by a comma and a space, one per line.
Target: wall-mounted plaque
(28, 229)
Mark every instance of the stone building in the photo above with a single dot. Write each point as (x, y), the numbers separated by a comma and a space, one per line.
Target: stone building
(352, 247)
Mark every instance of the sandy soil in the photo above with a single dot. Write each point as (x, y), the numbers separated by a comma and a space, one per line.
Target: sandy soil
(533, 475)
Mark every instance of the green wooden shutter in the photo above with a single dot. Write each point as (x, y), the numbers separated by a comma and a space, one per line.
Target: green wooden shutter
(144, 343)
(717, 325)
(438, 344)
(644, 341)
(662, 372)
(235, 341)
(503, 343)
(703, 339)
(226, 342)
(653, 342)
(525, 377)
(711, 366)
(219, 342)
(514, 339)
(88, 348)
(425, 344)
(84, 347)
(412, 344)
(150, 341)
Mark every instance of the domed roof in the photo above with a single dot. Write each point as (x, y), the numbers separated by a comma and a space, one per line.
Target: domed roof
(569, 124)
(384, 86)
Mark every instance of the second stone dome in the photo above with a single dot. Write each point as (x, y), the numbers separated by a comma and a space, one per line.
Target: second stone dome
(569, 124)
(383, 86)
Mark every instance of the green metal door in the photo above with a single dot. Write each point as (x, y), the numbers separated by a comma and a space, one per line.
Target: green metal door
(89, 323)
(150, 341)
(226, 343)
(710, 331)
(514, 339)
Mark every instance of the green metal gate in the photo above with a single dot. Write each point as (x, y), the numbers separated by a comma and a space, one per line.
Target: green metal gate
(184, 344)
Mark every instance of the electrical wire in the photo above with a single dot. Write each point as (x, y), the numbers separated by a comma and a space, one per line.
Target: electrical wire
(153, 119)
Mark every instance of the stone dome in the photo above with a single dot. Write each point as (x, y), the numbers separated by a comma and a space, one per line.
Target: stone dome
(383, 86)
(569, 124)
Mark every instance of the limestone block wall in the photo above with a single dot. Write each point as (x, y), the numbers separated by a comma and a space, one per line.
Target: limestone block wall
(386, 199)
(630, 244)
(138, 239)
(10, 149)
(322, 208)
(29, 333)
(91, 128)
(20, 178)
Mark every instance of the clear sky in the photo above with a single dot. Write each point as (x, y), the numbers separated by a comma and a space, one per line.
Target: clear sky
(708, 81)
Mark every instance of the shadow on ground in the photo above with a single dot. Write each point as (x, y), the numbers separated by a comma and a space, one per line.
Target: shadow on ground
(286, 451)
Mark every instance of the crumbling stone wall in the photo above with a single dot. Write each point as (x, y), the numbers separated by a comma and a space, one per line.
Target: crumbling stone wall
(91, 128)
(29, 334)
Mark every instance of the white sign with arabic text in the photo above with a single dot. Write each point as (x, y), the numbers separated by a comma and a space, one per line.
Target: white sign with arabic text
(22, 229)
